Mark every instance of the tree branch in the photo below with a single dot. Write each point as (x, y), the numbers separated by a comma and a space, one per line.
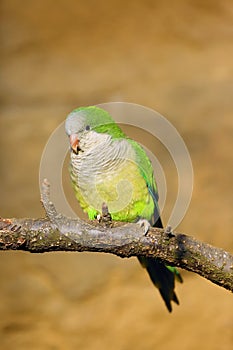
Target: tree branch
(59, 233)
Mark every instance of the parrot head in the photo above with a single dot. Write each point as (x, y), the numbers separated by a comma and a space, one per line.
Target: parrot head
(84, 124)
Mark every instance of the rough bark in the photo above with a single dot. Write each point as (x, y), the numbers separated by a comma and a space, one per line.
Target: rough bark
(59, 233)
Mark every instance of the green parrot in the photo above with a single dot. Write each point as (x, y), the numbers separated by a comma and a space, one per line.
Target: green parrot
(108, 167)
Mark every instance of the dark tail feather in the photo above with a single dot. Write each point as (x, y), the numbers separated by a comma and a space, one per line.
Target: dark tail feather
(164, 280)
(161, 276)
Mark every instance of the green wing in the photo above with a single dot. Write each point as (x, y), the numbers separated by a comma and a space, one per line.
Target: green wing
(146, 170)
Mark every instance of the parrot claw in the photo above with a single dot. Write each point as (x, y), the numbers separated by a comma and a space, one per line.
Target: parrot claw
(168, 231)
(144, 223)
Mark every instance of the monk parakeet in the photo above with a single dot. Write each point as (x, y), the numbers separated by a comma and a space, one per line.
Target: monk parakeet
(108, 167)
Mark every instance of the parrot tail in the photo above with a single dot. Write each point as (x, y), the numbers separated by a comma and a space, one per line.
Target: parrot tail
(163, 278)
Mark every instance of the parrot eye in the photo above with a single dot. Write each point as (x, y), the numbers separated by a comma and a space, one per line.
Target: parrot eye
(88, 127)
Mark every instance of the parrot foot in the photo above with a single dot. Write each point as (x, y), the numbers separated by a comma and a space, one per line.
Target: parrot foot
(168, 232)
(144, 223)
(105, 218)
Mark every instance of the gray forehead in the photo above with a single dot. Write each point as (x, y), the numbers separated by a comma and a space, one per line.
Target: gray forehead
(74, 123)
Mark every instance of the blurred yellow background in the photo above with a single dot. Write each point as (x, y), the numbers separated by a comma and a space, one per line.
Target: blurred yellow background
(174, 57)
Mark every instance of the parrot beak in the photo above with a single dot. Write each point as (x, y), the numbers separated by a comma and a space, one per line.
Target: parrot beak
(74, 143)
